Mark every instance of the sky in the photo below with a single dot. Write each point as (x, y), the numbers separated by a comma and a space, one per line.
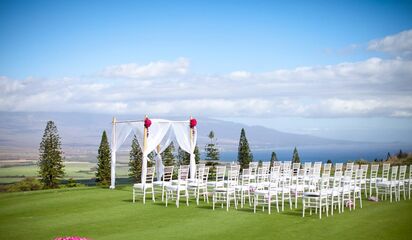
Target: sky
(336, 69)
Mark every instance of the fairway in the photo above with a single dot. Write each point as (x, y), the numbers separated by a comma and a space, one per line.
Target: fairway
(100, 213)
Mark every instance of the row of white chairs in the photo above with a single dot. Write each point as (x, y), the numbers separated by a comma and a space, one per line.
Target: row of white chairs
(261, 186)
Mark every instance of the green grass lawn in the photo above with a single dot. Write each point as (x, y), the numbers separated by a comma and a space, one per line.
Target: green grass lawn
(100, 213)
(76, 170)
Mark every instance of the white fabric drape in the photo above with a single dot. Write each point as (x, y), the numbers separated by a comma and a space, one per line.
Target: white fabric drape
(157, 131)
(168, 138)
(182, 135)
(161, 132)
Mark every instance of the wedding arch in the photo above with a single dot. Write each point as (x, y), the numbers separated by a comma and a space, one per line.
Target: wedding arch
(154, 135)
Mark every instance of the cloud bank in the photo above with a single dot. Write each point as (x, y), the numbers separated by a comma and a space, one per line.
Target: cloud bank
(373, 87)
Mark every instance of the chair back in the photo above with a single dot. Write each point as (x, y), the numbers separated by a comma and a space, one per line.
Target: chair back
(266, 164)
(220, 173)
(385, 171)
(232, 177)
(295, 168)
(364, 168)
(182, 175)
(374, 171)
(358, 177)
(349, 167)
(168, 173)
(307, 166)
(338, 167)
(245, 177)
(394, 173)
(402, 172)
(337, 180)
(317, 169)
(327, 169)
(150, 174)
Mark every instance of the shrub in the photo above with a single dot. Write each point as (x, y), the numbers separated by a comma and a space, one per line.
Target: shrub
(27, 184)
(72, 183)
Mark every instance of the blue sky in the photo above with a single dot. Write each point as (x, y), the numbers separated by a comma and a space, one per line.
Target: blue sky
(256, 59)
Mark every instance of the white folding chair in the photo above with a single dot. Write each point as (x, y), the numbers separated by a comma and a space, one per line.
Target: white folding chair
(389, 186)
(401, 181)
(334, 193)
(166, 179)
(200, 185)
(408, 182)
(141, 188)
(179, 186)
(243, 189)
(317, 199)
(268, 195)
(356, 188)
(363, 186)
(227, 193)
(373, 178)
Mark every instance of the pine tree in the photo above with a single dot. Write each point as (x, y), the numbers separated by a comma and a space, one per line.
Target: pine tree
(296, 158)
(197, 155)
(212, 153)
(183, 157)
(388, 157)
(167, 155)
(244, 156)
(51, 167)
(273, 159)
(103, 162)
(135, 161)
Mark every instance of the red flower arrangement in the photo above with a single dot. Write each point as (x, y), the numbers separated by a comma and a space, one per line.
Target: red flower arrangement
(147, 123)
(193, 123)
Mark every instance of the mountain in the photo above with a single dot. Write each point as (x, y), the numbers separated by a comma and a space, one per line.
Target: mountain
(21, 133)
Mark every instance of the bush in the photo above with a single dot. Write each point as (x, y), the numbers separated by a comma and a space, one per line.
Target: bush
(27, 184)
(72, 183)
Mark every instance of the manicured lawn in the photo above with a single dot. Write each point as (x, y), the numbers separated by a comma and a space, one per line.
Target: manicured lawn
(109, 214)
(76, 170)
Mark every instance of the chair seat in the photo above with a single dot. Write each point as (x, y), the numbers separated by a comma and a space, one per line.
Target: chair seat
(224, 189)
(315, 194)
(176, 188)
(215, 184)
(242, 188)
(161, 183)
(197, 184)
(387, 184)
(142, 185)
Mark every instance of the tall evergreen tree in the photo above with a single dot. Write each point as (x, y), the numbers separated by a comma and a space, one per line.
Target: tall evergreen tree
(135, 161)
(273, 159)
(183, 157)
(296, 158)
(103, 162)
(51, 167)
(167, 155)
(212, 153)
(197, 154)
(244, 156)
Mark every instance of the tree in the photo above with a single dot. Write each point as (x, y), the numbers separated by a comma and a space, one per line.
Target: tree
(197, 154)
(51, 167)
(244, 156)
(329, 161)
(135, 161)
(401, 154)
(103, 162)
(167, 155)
(388, 157)
(212, 153)
(183, 157)
(296, 158)
(273, 159)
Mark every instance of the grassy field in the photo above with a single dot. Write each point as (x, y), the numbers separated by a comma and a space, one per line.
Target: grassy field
(76, 170)
(100, 213)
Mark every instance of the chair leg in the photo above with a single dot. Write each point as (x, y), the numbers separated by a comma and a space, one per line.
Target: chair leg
(144, 196)
(187, 198)
(153, 195)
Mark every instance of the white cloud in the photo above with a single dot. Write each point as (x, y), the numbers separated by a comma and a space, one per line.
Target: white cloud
(151, 70)
(374, 87)
(399, 44)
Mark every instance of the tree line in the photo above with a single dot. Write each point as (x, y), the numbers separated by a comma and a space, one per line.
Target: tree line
(51, 157)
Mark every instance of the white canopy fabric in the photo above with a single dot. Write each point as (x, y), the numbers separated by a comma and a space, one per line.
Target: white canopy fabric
(161, 132)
